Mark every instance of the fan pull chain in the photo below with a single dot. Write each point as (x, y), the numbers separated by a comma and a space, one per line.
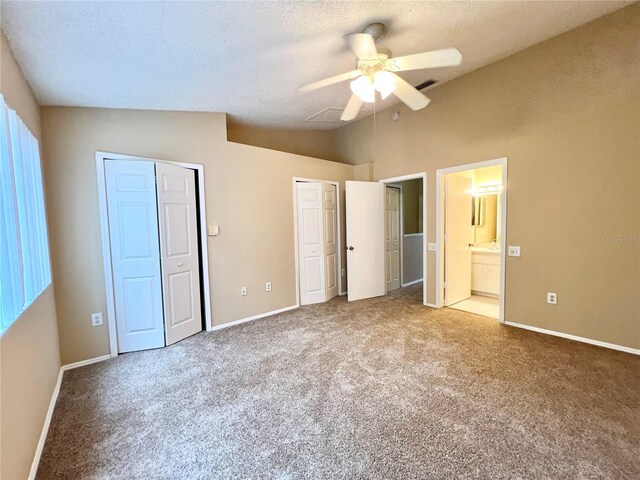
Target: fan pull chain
(374, 117)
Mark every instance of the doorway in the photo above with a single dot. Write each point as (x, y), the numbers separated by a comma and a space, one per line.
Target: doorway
(317, 240)
(370, 250)
(412, 246)
(154, 250)
(404, 236)
(471, 231)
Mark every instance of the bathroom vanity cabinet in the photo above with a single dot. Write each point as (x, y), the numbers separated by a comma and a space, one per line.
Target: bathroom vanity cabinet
(485, 272)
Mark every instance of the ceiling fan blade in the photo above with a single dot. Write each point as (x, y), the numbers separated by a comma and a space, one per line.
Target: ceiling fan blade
(329, 81)
(352, 109)
(362, 45)
(409, 95)
(447, 57)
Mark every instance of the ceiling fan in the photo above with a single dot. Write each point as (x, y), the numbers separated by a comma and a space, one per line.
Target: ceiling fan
(376, 69)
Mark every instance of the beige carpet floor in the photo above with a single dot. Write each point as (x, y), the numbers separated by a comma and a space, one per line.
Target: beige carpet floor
(376, 389)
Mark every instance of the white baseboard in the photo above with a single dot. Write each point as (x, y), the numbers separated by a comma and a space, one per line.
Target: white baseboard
(432, 305)
(342, 294)
(254, 317)
(82, 363)
(412, 283)
(45, 427)
(568, 336)
(52, 406)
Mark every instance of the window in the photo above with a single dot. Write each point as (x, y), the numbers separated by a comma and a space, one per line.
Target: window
(25, 270)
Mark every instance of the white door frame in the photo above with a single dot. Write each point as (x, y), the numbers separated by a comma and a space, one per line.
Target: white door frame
(440, 226)
(295, 180)
(106, 242)
(404, 178)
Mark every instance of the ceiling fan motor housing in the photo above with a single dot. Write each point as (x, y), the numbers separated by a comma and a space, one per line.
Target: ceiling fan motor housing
(376, 30)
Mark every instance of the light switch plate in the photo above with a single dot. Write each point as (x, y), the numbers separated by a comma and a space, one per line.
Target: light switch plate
(432, 247)
(214, 230)
(514, 251)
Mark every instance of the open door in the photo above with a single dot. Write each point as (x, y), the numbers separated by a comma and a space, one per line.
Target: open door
(392, 237)
(457, 238)
(179, 251)
(365, 239)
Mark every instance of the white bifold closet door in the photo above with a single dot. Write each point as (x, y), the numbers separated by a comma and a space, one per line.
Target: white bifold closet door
(179, 251)
(135, 254)
(154, 258)
(317, 241)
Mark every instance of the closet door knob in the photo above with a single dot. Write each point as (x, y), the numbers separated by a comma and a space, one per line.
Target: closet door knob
(180, 264)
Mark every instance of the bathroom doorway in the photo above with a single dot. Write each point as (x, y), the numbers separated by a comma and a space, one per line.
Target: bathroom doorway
(471, 228)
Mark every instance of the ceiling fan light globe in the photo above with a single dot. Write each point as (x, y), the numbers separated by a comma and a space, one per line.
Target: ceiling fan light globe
(385, 83)
(364, 89)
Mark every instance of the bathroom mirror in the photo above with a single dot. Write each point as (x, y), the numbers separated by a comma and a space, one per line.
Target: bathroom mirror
(485, 218)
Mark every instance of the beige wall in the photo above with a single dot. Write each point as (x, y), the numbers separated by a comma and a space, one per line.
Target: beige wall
(29, 356)
(312, 143)
(488, 175)
(566, 113)
(411, 191)
(249, 194)
(363, 172)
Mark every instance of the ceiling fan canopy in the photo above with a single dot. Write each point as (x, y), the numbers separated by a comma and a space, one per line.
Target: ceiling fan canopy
(375, 72)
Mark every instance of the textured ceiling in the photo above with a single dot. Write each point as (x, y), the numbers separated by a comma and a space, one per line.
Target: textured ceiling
(248, 58)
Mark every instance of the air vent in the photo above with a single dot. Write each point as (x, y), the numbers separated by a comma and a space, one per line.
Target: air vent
(425, 84)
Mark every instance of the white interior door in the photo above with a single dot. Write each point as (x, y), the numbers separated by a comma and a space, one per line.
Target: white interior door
(365, 239)
(392, 237)
(330, 215)
(457, 238)
(179, 251)
(310, 242)
(133, 231)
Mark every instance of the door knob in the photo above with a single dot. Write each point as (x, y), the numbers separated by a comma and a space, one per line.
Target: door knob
(180, 264)
(350, 248)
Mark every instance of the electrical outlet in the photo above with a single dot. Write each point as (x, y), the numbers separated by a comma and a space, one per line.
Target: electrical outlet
(243, 291)
(514, 251)
(267, 286)
(344, 272)
(96, 319)
(552, 298)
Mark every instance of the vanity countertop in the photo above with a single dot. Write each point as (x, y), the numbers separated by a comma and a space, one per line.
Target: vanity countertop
(495, 251)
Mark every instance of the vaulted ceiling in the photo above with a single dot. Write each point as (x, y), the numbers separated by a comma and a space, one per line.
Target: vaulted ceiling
(248, 58)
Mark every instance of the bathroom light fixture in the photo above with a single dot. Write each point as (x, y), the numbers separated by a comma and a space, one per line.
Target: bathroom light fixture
(488, 189)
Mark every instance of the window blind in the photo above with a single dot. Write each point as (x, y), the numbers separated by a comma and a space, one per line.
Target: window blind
(25, 269)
